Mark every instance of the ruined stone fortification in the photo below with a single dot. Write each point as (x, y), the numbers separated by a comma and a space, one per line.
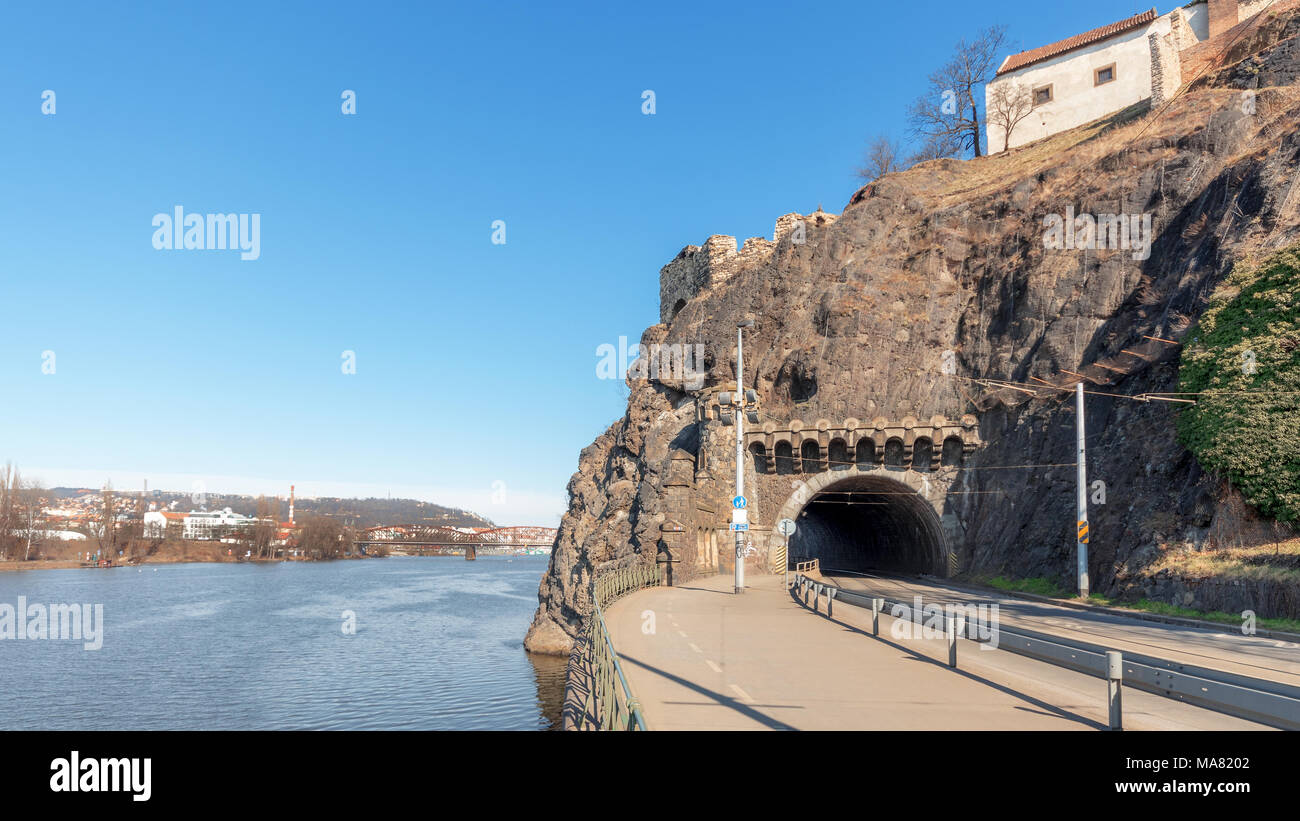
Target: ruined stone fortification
(873, 329)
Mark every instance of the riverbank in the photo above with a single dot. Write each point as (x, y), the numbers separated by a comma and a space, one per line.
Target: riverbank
(212, 555)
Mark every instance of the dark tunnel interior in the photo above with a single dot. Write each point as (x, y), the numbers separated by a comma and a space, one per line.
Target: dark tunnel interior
(870, 523)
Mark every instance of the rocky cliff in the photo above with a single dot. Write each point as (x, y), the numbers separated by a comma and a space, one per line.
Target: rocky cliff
(900, 321)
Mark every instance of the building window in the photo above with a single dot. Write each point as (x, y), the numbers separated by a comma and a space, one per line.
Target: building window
(1042, 95)
(1103, 75)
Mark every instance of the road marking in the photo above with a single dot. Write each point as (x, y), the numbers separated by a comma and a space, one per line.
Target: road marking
(743, 695)
(681, 633)
(693, 647)
(715, 668)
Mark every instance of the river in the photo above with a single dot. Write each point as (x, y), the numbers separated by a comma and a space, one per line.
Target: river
(437, 646)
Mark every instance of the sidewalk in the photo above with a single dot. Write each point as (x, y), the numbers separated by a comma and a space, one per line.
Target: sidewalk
(717, 661)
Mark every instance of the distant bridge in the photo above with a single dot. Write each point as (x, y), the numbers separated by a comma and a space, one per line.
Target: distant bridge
(442, 540)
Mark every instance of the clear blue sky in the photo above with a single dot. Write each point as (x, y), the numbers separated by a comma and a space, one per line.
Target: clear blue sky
(475, 362)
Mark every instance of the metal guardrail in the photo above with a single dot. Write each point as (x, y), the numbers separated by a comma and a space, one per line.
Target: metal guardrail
(609, 703)
(1260, 700)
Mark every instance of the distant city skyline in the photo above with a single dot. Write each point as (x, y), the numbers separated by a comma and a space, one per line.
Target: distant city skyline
(529, 509)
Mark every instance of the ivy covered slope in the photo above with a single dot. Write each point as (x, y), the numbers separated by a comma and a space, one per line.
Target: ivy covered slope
(1247, 345)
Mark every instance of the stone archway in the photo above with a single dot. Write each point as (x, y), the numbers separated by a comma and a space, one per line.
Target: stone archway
(876, 519)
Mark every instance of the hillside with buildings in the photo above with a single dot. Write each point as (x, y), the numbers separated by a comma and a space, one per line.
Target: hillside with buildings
(934, 331)
(68, 524)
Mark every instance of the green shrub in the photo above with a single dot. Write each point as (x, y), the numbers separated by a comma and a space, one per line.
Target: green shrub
(1246, 423)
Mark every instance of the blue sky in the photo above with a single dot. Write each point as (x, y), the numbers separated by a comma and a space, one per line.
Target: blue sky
(475, 362)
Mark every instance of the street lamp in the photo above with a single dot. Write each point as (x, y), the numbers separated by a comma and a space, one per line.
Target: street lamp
(740, 447)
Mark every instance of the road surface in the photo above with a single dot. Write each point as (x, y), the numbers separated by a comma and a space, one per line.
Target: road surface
(1222, 649)
(700, 658)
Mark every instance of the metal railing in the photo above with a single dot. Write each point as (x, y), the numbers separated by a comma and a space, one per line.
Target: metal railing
(609, 703)
(1260, 700)
(813, 566)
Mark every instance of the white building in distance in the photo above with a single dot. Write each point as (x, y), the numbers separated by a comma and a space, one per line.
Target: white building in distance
(1099, 72)
(203, 524)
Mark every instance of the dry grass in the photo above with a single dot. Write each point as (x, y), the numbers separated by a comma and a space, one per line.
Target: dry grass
(1086, 149)
(1278, 563)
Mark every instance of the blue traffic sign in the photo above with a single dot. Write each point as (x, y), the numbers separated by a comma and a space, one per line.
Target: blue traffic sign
(739, 503)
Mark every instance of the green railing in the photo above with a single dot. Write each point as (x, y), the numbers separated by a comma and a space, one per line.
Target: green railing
(609, 703)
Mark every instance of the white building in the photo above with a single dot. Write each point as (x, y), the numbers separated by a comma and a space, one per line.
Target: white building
(1099, 72)
(204, 524)
(155, 525)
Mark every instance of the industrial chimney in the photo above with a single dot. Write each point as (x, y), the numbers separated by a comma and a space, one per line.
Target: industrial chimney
(290, 505)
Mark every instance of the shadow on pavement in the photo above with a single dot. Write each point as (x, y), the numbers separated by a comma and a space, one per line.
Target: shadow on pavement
(725, 701)
(918, 656)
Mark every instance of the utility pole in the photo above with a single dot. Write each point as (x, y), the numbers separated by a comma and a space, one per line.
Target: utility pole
(1082, 506)
(740, 447)
(744, 403)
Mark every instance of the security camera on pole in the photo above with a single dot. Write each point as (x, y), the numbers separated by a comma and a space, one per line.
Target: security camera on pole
(744, 402)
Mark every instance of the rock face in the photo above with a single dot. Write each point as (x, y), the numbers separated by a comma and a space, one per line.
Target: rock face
(887, 328)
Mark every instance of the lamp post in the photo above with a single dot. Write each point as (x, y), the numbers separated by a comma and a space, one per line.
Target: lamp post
(740, 446)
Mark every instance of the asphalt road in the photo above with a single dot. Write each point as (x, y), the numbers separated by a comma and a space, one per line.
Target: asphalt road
(1221, 649)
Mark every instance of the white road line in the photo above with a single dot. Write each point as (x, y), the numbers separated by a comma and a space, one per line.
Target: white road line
(693, 647)
(681, 633)
(715, 668)
(743, 695)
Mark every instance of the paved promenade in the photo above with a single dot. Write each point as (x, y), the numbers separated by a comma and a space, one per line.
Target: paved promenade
(716, 661)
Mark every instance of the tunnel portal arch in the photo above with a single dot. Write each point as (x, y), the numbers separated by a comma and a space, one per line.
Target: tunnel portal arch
(885, 520)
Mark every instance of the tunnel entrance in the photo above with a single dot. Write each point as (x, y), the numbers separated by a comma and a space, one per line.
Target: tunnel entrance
(869, 523)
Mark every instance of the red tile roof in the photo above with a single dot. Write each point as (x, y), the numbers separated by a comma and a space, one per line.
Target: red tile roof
(1037, 55)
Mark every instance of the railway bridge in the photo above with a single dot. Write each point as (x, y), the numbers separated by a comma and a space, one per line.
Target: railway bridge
(442, 540)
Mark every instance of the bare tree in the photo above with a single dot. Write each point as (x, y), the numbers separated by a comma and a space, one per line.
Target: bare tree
(9, 517)
(264, 532)
(882, 156)
(31, 513)
(1008, 104)
(21, 513)
(935, 148)
(132, 530)
(948, 114)
(322, 537)
(104, 534)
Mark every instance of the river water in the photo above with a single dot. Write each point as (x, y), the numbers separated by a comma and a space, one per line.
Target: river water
(437, 646)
